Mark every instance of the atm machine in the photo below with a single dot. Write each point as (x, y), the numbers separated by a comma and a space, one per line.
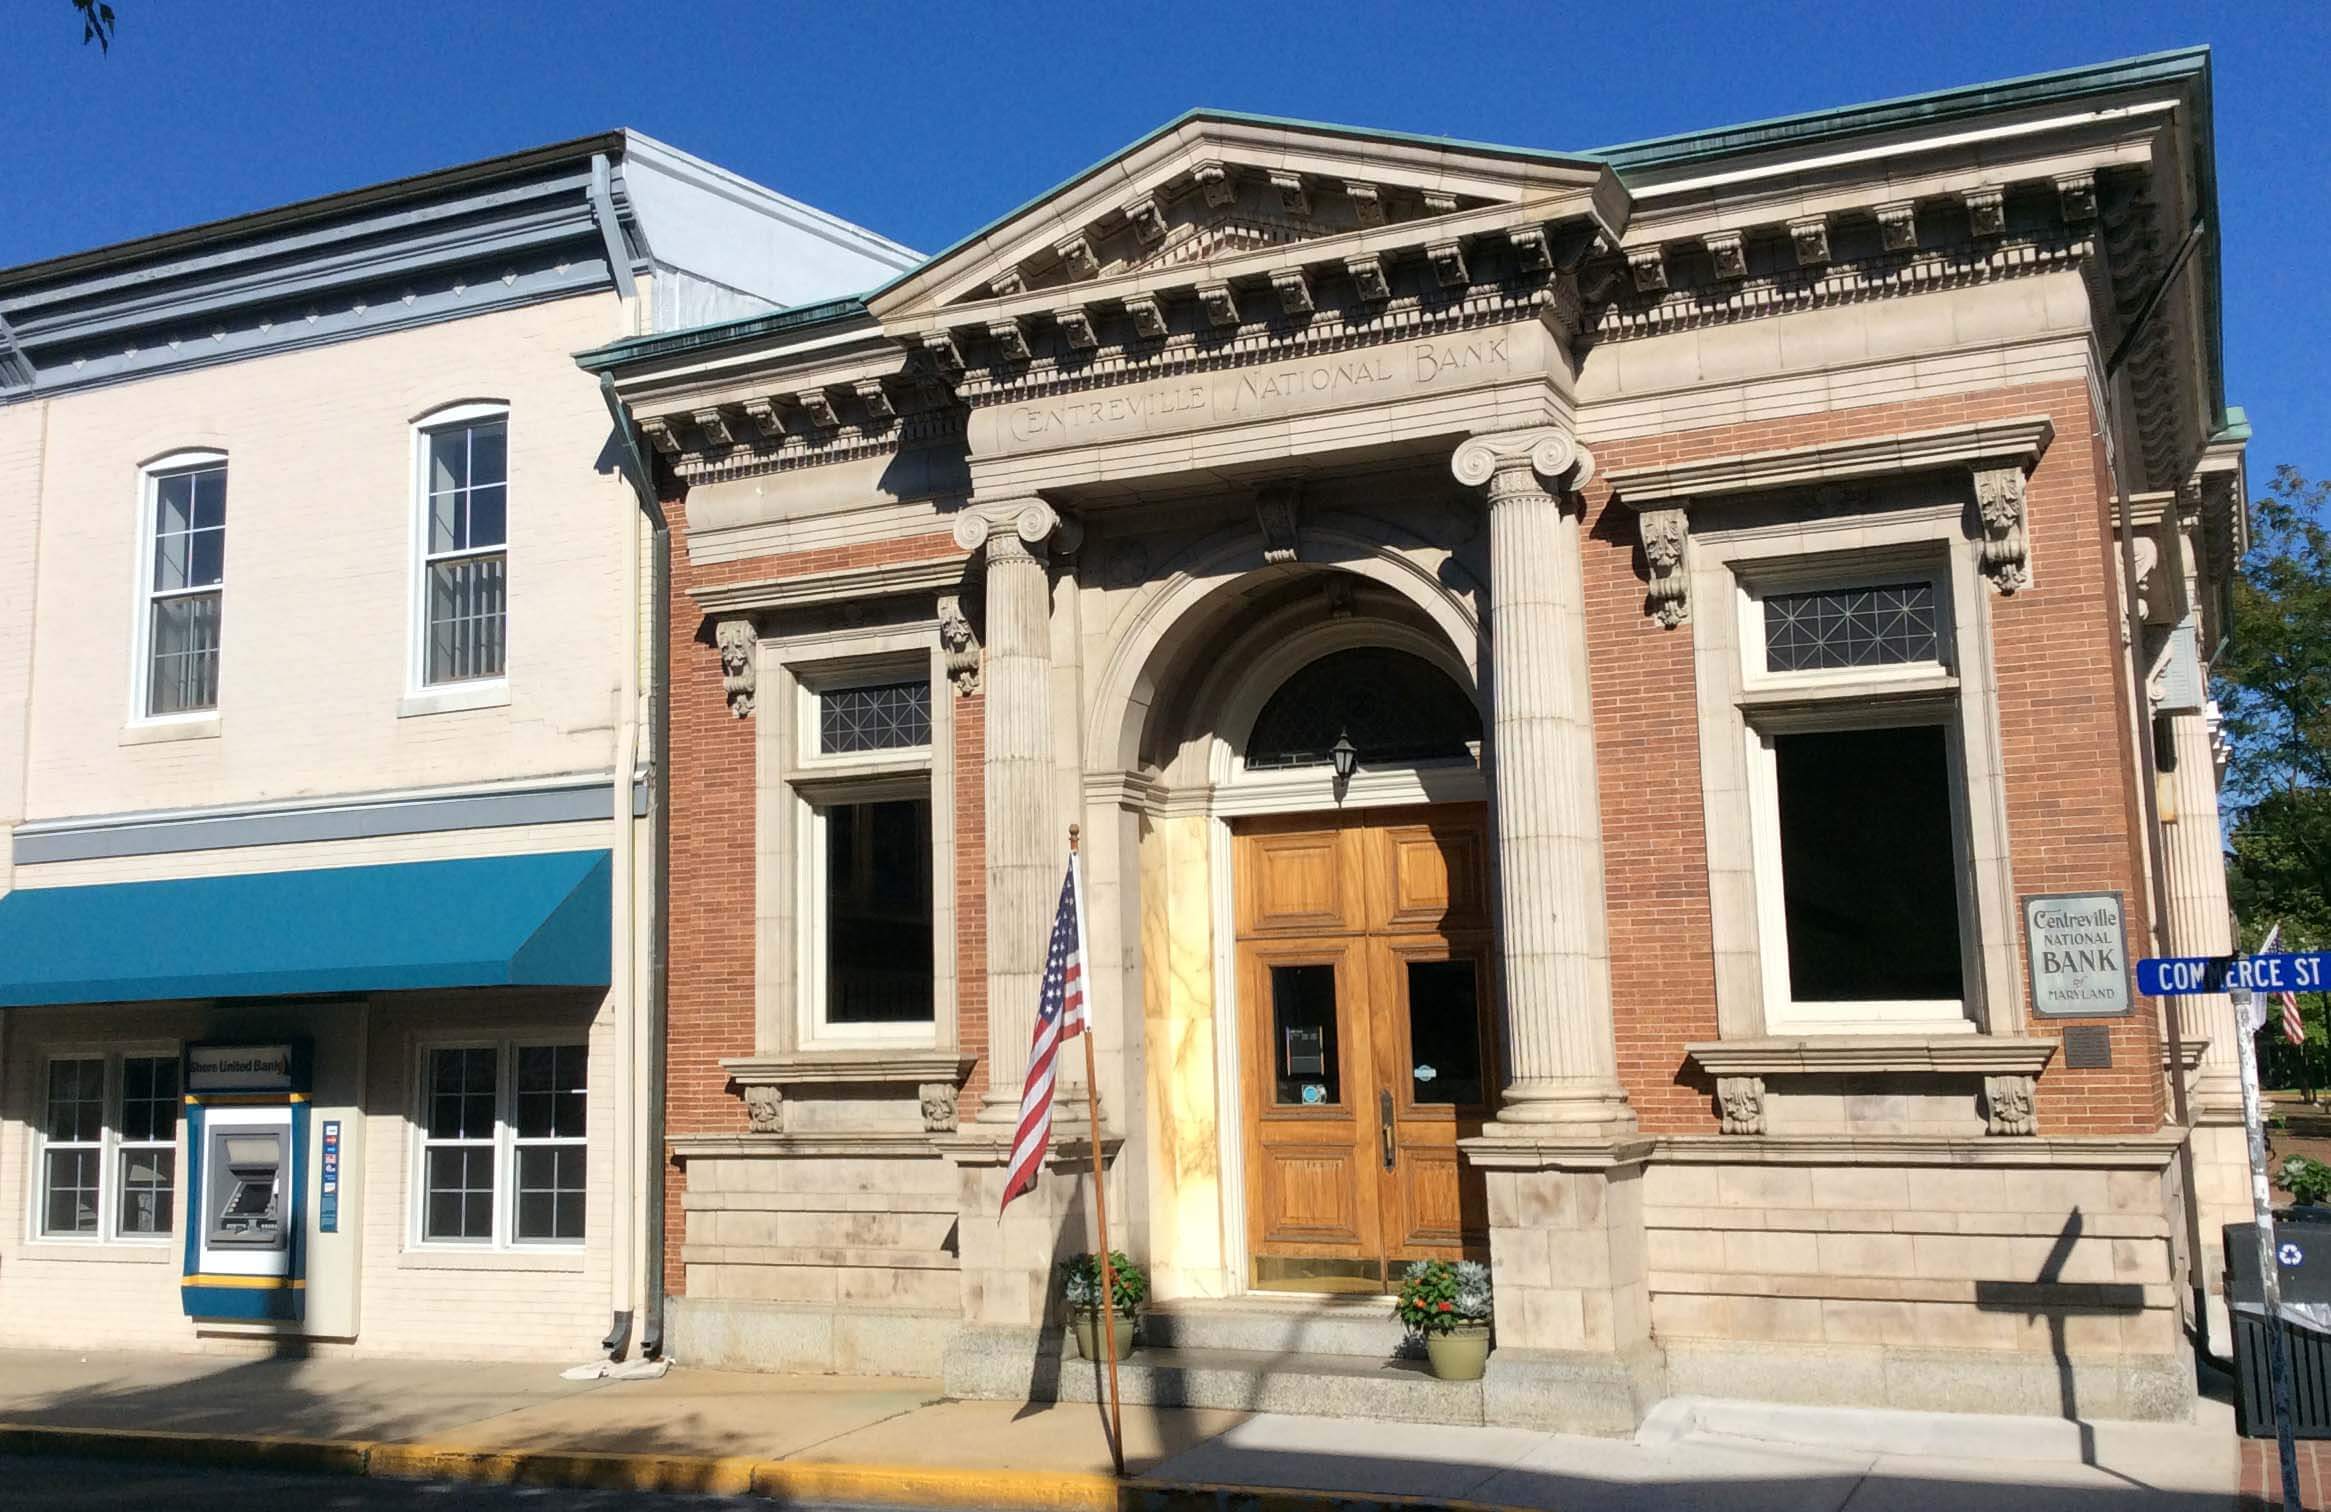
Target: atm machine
(246, 1144)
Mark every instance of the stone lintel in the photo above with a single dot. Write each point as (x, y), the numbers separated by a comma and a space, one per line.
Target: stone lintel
(877, 1144)
(931, 575)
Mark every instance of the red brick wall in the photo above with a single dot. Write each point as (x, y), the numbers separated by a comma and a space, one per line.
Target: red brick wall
(712, 814)
(2072, 805)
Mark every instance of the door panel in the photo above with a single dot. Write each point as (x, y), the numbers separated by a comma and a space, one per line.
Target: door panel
(1365, 984)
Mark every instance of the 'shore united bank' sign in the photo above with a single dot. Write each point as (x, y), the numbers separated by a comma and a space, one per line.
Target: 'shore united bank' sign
(2077, 946)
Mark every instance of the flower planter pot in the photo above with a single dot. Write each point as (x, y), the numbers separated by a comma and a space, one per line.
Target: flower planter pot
(1088, 1338)
(1461, 1353)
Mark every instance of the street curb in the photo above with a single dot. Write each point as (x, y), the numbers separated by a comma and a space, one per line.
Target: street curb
(785, 1481)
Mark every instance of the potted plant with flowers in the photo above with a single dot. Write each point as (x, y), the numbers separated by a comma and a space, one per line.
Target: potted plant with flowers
(1446, 1303)
(1081, 1287)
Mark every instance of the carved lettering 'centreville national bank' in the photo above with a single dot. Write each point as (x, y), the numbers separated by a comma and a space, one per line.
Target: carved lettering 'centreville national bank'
(1258, 392)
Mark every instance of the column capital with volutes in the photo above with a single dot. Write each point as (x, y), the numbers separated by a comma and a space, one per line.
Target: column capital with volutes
(1541, 459)
(1013, 527)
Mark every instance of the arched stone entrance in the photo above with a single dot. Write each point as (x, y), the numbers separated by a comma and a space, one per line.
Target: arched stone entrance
(1219, 644)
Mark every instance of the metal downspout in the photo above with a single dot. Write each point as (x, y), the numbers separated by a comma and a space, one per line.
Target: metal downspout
(651, 1153)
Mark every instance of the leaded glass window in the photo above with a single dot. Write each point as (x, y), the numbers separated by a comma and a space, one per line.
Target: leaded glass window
(875, 717)
(1884, 626)
(1394, 707)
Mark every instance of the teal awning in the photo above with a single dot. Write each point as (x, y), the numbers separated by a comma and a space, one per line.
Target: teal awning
(491, 921)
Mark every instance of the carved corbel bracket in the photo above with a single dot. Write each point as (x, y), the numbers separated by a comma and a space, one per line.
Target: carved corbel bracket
(1214, 177)
(1147, 217)
(1294, 289)
(1368, 274)
(1999, 499)
(1011, 339)
(1076, 325)
(1278, 509)
(1986, 211)
(714, 425)
(1220, 304)
(1294, 197)
(1148, 315)
(1367, 202)
(1448, 259)
(819, 406)
(959, 640)
(1531, 249)
(1740, 1100)
(1730, 252)
(764, 1108)
(2007, 1104)
(1810, 234)
(1076, 255)
(938, 1103)
(1649, 265)
(737, 640)
(1898, 225)
(658, 429)
(1666, 533)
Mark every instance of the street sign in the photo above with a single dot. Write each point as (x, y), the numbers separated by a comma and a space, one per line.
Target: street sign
(2197, 976)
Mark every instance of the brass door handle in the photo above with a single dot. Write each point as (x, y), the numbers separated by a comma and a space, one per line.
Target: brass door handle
(1384, 1123)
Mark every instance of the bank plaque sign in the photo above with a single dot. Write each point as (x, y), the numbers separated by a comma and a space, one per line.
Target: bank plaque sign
(2077, 945)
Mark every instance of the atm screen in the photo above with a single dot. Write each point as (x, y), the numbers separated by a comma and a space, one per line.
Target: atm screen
(251, 1200)
(248, 1151)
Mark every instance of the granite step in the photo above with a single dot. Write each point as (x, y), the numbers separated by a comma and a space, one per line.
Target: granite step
(1358, 1329)
(1251, 1380)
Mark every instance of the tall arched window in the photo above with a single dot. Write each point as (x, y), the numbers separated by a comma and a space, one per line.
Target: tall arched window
(1394, 708)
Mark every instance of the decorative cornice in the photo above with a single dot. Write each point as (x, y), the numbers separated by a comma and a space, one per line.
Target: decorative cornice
(857, 1068)
(1839, 1054)
(929, 575)
(2020, 441)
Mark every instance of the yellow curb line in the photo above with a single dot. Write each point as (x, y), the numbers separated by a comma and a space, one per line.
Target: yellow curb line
(790, 1481)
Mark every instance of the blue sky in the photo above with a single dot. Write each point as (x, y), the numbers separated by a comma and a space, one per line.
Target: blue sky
(924, 121)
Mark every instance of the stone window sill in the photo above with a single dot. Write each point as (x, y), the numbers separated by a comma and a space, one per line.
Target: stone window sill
(165, 731)
(872, 1066)
(115, 1252)
(570, 1260)
(455, 699)
(1839, 1054)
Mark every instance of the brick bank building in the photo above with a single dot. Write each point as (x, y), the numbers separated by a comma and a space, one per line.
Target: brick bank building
(1613, 727)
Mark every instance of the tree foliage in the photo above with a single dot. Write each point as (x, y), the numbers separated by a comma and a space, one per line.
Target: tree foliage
(2274, 683)
(96, 23)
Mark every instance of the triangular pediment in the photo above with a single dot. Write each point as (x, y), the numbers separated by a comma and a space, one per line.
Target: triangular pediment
(1214, 185)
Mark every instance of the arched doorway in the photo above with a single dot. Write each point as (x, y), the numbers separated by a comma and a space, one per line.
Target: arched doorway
(1315, 950)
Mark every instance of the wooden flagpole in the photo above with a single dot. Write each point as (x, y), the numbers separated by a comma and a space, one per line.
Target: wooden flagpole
(1105, 1320)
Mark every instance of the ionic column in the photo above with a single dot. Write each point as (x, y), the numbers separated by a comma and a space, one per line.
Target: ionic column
(2199, 921)
(1025, 848)
(1562, 1058)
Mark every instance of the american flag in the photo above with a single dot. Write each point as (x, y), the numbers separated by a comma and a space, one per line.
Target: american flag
(2293, 1029)
(1060, 1017)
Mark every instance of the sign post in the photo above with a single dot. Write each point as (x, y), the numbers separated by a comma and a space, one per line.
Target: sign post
(2242, 977)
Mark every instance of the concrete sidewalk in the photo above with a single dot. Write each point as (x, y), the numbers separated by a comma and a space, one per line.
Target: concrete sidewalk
(856, 1441)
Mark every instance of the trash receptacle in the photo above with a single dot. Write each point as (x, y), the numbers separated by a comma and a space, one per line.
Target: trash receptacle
(2303, 1248)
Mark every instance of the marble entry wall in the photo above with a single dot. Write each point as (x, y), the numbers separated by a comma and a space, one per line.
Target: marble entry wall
(1186, 1192)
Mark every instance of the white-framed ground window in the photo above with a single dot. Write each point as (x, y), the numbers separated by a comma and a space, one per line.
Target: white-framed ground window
(1856, 789)
(500, 1157)
(866, 869)
(182, 560)
(107, 1161)
(462, 598)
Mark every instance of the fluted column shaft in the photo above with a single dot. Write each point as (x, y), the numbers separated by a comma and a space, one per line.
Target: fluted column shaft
(2199, 919)
(1562, 1058)
(1024, 845)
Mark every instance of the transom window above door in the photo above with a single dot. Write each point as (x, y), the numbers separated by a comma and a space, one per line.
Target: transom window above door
(1394, 708)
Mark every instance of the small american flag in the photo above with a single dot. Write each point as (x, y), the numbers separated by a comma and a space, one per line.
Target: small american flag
(1060, 1017)
(2294, 1030)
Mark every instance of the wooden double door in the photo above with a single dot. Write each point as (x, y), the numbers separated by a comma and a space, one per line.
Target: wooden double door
(1365, 986)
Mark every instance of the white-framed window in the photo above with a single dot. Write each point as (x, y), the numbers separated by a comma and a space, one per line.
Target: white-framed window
(108, 1156)
(182, 561)
(462, 601)
(866, 882)
(500, 1150)
(1856, 786)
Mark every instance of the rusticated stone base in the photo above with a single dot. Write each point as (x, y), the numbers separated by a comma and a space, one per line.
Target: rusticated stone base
(1573, 1391)
(729, 1334)
(2146, 1388)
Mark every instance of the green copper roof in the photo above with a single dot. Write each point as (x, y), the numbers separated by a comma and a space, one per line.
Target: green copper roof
(720, 333)
(1909, 110)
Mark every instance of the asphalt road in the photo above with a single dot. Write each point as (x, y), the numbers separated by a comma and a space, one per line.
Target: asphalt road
(31, 1483)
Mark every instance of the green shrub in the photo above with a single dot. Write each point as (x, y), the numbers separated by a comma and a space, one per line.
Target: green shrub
(1081, 1283)
(2308, 1181)
(1438, 1295)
